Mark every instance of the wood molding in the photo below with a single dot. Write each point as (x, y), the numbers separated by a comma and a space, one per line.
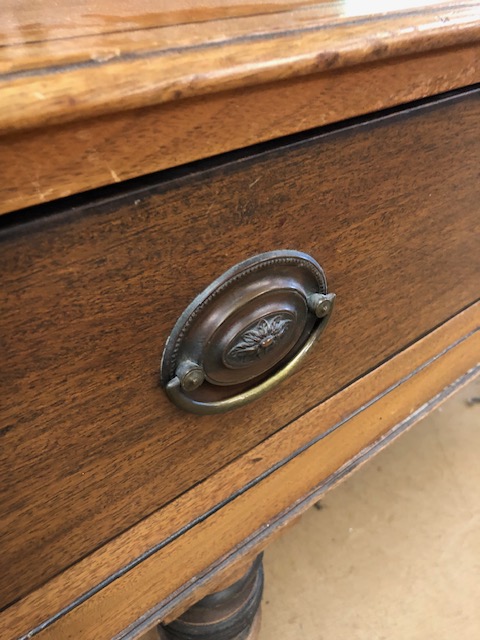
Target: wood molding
(55, 79)
(54, 162)
(304, 456)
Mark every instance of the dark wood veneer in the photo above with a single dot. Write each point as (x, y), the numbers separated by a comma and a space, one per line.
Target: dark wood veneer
(90, 444)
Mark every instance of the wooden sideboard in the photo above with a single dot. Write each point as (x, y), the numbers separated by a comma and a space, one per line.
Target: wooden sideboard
(145, 150)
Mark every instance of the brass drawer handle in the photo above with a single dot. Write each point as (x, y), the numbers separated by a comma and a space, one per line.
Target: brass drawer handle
(246, 332)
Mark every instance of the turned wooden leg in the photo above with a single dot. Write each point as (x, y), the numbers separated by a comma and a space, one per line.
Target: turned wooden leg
(231, 614)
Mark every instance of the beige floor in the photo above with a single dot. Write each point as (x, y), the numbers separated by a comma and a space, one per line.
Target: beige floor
(394, 552)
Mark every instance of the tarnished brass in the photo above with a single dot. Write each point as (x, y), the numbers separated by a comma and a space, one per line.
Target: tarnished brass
(246, 332)
(321, 304)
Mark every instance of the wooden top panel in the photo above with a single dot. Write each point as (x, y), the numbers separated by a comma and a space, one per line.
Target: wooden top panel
(26, 22)
(78, 59)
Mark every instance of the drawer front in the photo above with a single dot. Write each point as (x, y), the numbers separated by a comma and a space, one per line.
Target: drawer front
(90, 443)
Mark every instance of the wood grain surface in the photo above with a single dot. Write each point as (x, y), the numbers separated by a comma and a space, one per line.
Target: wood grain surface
(286, 474)
(115, 59)
(26, 22)
(53, 162)
(89, 296)
(90, 444)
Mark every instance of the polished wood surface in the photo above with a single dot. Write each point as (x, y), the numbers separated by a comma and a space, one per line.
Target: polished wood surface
(286, 474)
(26, 22)
(90, 296)
(117, 58)
(118, 511)
(53, 162)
